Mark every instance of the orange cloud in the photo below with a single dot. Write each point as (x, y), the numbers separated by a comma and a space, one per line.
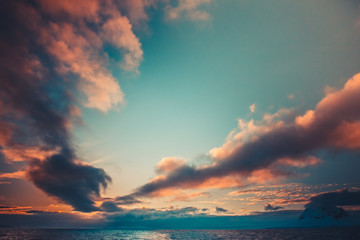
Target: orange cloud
(5, 132)
(17, 174)
(136, 10)
(23, 153)
(78, 48)
(187, 197)
(252, 107)
(76, 54)
(118, 31)
(169, 164)
(81, 9)
(266, 175)
(347, 135)
(299, 162)
(306, 120)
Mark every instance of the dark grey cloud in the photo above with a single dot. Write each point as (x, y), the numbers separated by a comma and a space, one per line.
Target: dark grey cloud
(6, 207)
(329, 204)
(343, 197)
(127, 200)
(35, 111)
(35, 211)
(221, 210)
(75, 184)
(6, 167)
(269, 207)
(110, 206)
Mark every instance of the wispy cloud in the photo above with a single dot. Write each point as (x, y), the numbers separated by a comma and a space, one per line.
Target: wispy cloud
(188, 9)
(252, 107)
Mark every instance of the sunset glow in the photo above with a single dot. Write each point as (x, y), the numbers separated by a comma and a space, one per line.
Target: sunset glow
(179, 114)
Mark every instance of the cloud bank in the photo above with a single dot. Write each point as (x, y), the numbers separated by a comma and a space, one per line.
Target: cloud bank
(329, 204)
(176, 218)
(53, 58)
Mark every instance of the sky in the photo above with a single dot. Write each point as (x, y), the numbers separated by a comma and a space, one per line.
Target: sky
(179, 114)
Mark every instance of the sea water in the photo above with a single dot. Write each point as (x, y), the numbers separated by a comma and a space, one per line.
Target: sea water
(66, 234)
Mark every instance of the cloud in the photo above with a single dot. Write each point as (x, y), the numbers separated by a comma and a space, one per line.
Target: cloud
(169, 164)
(118, 31)
(88, 10)
(35, 211)
(171, 218)
(328, 204)
(337, 198)
(252, 107)
(269, 207)
(188, 9)
(7, 166)
(135, 10)
(75, 183)
(267, 150)
(221, 210)
(75, 54)
(293, 194)
(126, 200)
(6, 207)
(79, 49)
(299, 163)
(291, 96)
(187, 197)
(36, 219)
(52, 58)
(17, 174)
(141, 216)
(109, 206)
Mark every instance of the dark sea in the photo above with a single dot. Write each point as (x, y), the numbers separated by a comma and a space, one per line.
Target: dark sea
(65, 234)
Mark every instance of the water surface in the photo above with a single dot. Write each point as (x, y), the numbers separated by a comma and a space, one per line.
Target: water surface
(66, 234)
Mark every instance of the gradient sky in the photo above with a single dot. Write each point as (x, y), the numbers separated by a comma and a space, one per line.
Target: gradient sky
(179, 108)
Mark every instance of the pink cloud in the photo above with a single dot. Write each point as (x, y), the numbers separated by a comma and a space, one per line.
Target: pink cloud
(347, 135)
(118, 31)
(187, 197)
(78, 48)
(76, 54)
(17, 174)
(79, 9)
(299, 162)
(135, 10)
(169, 164)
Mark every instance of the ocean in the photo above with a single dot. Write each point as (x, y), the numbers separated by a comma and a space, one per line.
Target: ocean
(66, 234)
